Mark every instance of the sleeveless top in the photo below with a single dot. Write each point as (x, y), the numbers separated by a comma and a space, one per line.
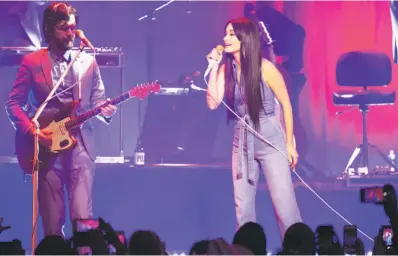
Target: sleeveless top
(246, 166)
(267, 97)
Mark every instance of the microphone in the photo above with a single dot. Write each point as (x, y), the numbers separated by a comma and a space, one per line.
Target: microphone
(79, 33)
(219, 48)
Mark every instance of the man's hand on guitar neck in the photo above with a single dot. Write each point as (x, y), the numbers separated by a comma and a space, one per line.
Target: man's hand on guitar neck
(109, 110)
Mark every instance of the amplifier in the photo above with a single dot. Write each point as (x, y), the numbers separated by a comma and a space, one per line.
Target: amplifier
(105, 56)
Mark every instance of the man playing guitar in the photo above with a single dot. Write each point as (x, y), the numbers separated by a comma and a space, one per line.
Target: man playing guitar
(39, 72)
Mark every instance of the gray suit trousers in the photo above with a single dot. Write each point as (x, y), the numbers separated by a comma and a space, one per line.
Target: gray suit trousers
(73, 170)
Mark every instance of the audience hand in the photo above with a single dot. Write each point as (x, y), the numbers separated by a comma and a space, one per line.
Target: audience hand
(390, 201)
(3, 228)
(112, 237)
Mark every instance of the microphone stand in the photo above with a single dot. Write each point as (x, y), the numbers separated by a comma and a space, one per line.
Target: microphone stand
(36, 161)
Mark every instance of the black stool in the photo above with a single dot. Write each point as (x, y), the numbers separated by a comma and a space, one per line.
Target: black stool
(364, 69)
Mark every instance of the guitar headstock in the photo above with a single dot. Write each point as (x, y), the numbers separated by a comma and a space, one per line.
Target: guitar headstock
(143, 90)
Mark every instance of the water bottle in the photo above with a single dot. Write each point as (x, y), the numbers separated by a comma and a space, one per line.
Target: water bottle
(139, 156)
(391, 157)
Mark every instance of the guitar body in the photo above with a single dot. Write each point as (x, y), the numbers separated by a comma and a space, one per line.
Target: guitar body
(62, 140)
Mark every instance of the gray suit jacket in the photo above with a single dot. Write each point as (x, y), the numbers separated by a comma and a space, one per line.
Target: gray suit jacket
(34, 82)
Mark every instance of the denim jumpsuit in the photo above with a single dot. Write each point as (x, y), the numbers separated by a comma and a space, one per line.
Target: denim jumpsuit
(249, 153)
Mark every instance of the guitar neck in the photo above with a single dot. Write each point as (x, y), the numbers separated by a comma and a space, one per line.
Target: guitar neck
(79, 120)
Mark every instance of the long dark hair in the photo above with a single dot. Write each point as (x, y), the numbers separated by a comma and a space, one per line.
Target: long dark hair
(250, 58)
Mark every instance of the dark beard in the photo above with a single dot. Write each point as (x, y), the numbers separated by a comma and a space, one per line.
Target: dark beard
(63, 46)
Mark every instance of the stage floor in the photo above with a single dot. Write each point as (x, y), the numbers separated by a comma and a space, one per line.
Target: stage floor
(184, 204)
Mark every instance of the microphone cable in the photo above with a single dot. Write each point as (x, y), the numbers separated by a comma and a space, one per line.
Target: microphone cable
(194, 87)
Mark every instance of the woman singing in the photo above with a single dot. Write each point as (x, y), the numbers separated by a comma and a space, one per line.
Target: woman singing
(250, 84)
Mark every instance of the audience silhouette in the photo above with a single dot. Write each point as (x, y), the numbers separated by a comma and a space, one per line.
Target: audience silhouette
(250, 239)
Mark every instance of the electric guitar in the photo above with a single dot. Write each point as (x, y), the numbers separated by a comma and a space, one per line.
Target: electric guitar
(62, 123)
